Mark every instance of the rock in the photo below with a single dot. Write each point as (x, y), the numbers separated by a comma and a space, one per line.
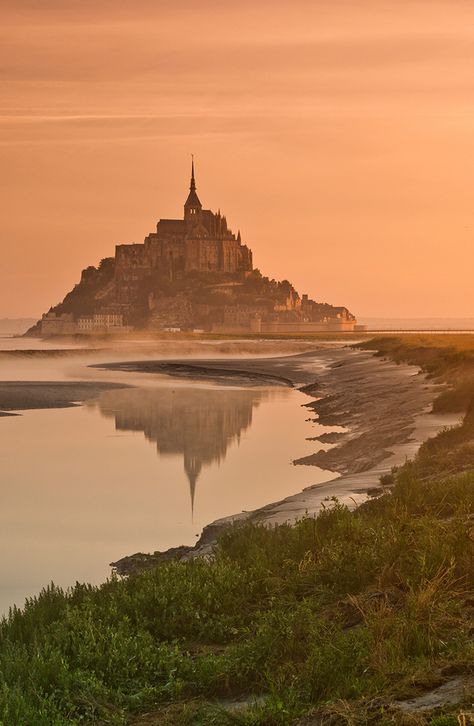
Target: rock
(451, 693)
(132, 564)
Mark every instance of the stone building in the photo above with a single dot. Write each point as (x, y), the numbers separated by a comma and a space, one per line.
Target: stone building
(199, 242)
(104, 322)
(53, 323)
(193, 274)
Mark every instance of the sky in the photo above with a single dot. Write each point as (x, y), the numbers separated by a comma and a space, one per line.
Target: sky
(336, 134)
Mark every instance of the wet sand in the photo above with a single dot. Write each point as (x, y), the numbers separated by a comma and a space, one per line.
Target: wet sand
(233, 372)
(376, 401)
(25, 395)
(383, 407)
(293, 370)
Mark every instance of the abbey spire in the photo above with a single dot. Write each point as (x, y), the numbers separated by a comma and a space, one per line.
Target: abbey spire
(192, 206)
(192, 186)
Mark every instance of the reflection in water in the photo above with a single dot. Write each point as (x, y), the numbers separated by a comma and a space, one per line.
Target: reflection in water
(198, 423)
(83, 497)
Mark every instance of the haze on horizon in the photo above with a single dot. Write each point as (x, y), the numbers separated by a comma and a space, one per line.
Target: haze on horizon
(336, 135)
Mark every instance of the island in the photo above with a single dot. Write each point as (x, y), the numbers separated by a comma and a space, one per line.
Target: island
(191, 274)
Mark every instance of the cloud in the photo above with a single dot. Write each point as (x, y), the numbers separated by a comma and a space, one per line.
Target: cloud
(105, 55)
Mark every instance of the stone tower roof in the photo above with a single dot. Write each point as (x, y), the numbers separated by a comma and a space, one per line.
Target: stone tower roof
(193, 199)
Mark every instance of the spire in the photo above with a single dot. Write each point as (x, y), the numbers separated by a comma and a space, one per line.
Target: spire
(192, 186)
(192, 205)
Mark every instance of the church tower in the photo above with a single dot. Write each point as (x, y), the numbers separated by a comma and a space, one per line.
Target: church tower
(192, 206)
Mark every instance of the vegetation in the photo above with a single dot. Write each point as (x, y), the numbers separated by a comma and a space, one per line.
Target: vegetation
(449, 360)
(331, 621)
(347, 606)
(446, 358)
(82, 298)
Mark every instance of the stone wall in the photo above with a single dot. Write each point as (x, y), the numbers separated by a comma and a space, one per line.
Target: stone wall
(132, 267)
(256, 325)
(58, 324)
(175, 257)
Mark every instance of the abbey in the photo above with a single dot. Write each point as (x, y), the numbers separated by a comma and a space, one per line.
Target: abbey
(192, 273)
(200, 242)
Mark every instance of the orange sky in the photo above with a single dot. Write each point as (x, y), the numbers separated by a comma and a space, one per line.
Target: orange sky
(337, 134)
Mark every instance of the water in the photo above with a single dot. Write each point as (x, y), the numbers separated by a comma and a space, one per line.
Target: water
(10, 342)
(137, 469)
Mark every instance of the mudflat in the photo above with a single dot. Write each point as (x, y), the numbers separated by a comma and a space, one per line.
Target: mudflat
(383, 409)
(24, 395)
(376, 401)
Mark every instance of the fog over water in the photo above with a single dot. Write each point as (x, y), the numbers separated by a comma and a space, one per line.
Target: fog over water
(138, 468)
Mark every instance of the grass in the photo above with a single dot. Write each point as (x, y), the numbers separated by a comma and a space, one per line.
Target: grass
(448, 360)
(344, 607)
(337, 616)
(460, 342)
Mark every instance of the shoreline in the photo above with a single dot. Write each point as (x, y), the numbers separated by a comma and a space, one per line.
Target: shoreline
(16, 396)
(385, 408)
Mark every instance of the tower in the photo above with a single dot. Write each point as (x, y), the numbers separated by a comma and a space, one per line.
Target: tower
(192, 206)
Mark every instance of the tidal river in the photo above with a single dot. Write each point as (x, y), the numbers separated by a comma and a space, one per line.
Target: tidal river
(140, 468)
